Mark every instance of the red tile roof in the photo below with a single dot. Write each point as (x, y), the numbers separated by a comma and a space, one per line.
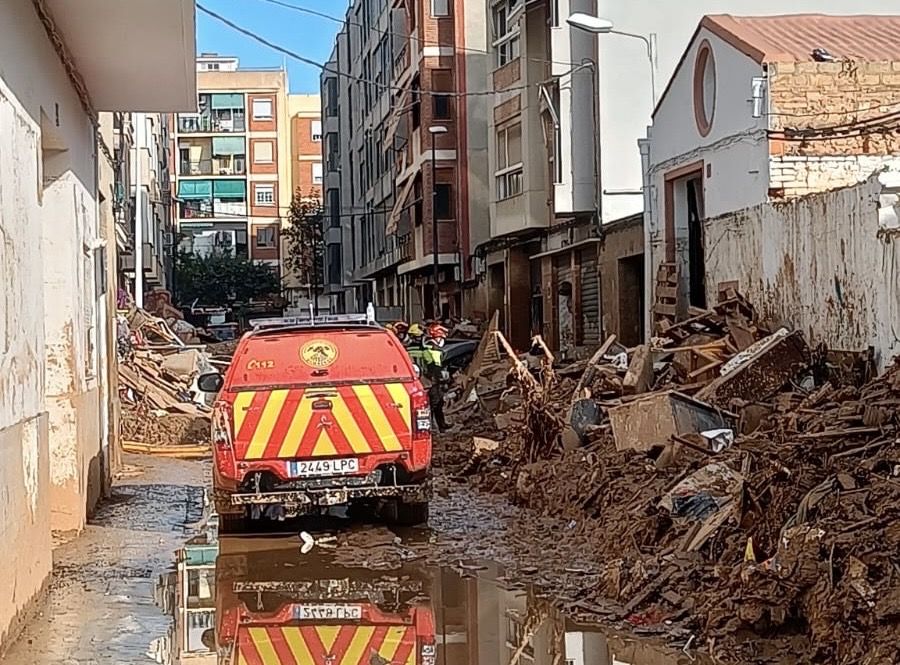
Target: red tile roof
(792, 38)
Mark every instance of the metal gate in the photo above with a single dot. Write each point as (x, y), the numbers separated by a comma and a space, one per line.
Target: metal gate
(589, 330)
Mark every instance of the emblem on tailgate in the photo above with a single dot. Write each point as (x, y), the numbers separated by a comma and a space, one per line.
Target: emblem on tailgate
(319, 353)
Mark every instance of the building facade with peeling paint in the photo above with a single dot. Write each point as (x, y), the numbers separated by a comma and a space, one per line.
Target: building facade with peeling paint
(63, 65)
(760, 110)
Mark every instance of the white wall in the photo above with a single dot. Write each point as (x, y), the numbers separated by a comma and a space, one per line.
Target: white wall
(823, 264)
(625, 104)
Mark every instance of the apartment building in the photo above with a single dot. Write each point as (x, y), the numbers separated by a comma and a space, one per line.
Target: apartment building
(145, 135)
(405, 153)
(306, 145)
(231, 161)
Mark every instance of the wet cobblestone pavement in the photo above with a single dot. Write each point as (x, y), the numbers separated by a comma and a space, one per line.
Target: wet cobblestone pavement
(100, 607)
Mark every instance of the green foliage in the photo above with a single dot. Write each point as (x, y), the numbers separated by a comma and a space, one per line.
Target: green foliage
(221, 279)
(305, 242)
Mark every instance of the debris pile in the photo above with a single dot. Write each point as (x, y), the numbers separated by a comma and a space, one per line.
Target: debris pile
(162, 405)
(729, 480)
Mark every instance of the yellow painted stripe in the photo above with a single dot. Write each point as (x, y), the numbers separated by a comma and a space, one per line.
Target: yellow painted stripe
(398, 393)
(242, 659)
(356, 650)
(241, 404)
(267, 653)
(297, 645)
(392, 643)
(324, 445)
(349, 427)
(263, 433)
(373, 410)
(328, 634)
(296, 429)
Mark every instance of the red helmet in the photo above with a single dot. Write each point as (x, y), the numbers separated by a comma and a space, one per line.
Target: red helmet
(437, 331)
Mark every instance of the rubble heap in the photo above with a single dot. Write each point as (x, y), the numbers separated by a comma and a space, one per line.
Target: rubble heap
(728, 480)
(162, 405)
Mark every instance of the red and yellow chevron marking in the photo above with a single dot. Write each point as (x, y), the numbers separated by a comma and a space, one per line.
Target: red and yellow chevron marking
(326, 645)
(283, 423)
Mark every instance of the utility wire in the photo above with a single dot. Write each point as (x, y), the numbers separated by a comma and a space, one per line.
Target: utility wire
(325, 68)
(347, 21)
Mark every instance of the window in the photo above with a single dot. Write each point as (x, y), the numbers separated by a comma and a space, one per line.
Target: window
(509, 161)
(265, 195)
(506, 31)
(440, 8)
(441, 81)
(262, 109)
(317, 173)
(334, 207)
(443, 208)
(416, 106)
(331, 100)
(316, 130)
(263, 152)
(265, 235)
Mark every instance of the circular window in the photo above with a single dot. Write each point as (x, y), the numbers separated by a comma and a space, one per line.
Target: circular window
(704, 88)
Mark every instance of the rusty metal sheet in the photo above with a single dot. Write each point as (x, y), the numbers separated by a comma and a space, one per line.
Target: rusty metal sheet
(652, 420)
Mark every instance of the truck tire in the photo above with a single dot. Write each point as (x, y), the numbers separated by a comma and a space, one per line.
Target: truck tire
(407, 514)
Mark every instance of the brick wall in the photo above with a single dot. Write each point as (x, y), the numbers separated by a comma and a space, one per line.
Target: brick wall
(796, 175)
(825, 94)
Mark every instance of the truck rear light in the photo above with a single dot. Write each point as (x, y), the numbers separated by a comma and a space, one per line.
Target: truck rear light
(221, 432)
(421, 415)
(423, 419)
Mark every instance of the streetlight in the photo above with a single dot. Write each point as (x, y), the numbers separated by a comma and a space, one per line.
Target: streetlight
(602, 26)
(434, 130)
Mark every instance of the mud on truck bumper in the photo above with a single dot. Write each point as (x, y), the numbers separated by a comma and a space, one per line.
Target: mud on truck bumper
(298, 497)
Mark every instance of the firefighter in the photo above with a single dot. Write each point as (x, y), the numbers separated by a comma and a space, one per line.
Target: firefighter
(433, 371)
(401, 330)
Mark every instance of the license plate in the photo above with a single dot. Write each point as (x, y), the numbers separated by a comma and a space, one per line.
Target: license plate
(322, 467)
(327, 612)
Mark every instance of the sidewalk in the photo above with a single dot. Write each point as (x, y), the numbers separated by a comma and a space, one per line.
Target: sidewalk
(100, 608)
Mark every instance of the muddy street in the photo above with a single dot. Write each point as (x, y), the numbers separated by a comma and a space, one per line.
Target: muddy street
(151, 581)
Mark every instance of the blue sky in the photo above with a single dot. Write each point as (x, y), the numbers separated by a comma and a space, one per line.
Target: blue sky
(309, 36)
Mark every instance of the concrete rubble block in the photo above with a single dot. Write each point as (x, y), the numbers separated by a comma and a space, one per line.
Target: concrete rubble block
(653, 420)
(766, 368)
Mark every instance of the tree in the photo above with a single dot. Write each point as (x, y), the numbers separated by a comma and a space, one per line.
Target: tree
(305, 244)
(220, 279)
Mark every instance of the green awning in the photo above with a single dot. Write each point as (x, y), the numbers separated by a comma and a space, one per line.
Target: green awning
(194, 189)
(228, 145)
(230, 189)
(227, 101)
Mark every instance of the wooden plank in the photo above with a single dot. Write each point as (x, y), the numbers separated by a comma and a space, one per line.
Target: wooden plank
(593, 362)
(666, 292)
(640, 371)
(664, 309)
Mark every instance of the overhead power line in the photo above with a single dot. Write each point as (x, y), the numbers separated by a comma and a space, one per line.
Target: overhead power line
(308, 61)
(345, 21)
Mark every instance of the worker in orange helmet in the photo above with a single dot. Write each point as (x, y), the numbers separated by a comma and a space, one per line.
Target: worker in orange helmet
(434, 372)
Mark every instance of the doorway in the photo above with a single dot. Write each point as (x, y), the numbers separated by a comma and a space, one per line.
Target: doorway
(497, 293)
(684, 215)
(631, 300)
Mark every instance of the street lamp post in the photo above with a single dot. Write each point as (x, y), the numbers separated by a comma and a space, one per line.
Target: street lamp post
(602, 26)
(434, 130)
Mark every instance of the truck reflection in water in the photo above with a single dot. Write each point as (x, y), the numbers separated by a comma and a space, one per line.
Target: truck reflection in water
(242, 601)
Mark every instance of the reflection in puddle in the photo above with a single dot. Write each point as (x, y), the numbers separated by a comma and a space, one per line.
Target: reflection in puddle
(259, 601)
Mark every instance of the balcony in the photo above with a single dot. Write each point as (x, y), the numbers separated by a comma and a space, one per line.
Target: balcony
(218, 155)
(206, 124)
(208, 199)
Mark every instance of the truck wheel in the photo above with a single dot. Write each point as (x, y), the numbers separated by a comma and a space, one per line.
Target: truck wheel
(406, 514)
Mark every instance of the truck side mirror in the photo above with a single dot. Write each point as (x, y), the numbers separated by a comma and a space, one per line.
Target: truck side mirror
(211, 382)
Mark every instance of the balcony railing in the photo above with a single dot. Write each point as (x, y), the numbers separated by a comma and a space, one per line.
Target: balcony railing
(214, 166)
(210, 124)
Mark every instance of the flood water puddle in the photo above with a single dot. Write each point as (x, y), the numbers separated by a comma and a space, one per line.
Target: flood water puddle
(261, 601)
